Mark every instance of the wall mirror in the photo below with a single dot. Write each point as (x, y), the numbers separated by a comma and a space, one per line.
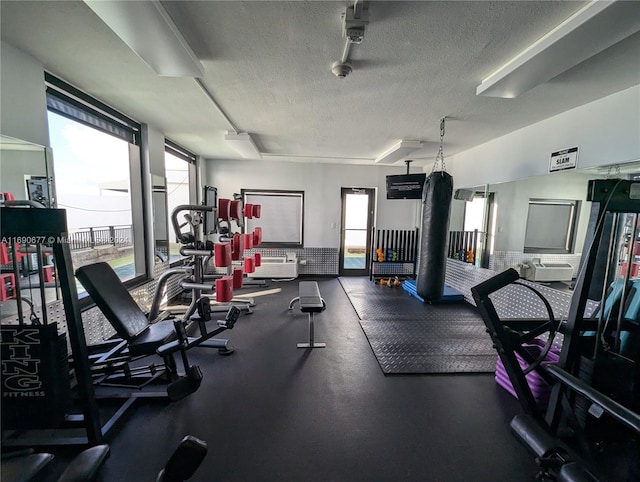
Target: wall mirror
(536, 225)
(27, 270)
(26, 171)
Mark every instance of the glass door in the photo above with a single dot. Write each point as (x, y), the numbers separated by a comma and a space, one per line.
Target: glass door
(355, 232)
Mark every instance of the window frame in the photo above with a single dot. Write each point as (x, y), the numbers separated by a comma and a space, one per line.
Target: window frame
(299, 243)
(191, 159)
(572, 225)
(70, 102)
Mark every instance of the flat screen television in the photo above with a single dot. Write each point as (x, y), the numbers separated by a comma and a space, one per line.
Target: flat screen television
(405, 186)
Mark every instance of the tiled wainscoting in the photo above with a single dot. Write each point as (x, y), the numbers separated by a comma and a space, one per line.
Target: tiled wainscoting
(512, 301)
(320, 261)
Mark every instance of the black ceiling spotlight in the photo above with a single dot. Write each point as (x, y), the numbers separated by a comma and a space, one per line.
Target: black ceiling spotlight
(354, 20)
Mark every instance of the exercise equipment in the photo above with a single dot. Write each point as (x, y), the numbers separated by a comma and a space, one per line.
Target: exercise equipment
(594, 404)
(310, 302)
(139, 338)
(436, 202)
(201, 252)
(20, 221)
(82, 422)
(463, 245)
(35, 375)
(395, 254)
(184, 461)
(28, 466)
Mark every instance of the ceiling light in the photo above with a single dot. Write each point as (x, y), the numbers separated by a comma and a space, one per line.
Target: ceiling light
(243, 145)
(399, 151)
(590, 30)
(148, 30)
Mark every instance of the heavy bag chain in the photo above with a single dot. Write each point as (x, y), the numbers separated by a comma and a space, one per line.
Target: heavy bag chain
(440, 155)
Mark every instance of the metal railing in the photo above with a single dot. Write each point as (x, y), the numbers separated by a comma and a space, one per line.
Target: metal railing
(88, 238)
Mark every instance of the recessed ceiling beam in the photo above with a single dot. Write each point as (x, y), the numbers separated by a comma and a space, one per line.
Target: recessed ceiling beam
(595, 27)
(399, 151)
(242, 143)
(148, 30)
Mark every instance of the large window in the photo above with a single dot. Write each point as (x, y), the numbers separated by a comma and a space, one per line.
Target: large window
(551, 226)
(281, 217)
(97, 176)
(178, 167)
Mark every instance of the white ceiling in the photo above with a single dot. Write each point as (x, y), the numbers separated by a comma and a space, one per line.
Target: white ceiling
(268, 65)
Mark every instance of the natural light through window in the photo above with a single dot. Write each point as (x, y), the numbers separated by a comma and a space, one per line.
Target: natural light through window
(92, 181)
(355, 231)
(177, 174)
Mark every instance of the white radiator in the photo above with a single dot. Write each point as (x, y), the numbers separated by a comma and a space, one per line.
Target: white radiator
(276, 267)
(538, 271)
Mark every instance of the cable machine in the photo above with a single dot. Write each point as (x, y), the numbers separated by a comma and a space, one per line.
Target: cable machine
(47, 229)
(591, 427)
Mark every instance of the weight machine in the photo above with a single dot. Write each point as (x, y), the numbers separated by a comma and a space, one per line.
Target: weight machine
(200, 254)
(591, 428)
(43, 391)
(49, 394)
(213, 217)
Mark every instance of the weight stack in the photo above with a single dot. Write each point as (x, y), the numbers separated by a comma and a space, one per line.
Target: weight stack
(36, 389)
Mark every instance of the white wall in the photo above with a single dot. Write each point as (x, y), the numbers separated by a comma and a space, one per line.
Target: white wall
(24, 106)
(606, 131)
(321, 184)
(23, 116)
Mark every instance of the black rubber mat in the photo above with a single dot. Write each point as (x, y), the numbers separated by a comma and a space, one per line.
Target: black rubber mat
(408, 336)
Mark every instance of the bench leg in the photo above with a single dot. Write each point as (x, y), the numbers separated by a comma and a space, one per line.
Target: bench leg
(311, 343)
(293, 302)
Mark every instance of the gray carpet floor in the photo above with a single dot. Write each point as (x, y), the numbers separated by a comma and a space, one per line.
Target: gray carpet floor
(408, 336)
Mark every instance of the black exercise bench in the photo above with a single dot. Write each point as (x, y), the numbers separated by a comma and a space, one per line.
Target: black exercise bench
(310, 302)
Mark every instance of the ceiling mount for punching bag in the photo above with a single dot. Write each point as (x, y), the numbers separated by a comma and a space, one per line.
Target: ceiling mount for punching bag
(436, 203)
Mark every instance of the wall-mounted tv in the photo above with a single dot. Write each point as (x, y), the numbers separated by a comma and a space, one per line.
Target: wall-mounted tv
(405, 186)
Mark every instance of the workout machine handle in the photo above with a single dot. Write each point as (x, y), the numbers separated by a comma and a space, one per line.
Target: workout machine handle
(484, 289)
(621, 413)
(196, 252)
(186, 238)
(154, 312)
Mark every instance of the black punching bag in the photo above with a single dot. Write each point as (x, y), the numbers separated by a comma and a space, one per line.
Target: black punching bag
(436, 202)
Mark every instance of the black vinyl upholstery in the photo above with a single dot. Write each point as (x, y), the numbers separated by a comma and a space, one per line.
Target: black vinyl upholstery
(184, 461)
(124, 314)
(84, 467)
(25, 468)
(113, 299)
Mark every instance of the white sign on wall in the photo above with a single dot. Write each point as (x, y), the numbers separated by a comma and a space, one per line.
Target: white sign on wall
(564, 159)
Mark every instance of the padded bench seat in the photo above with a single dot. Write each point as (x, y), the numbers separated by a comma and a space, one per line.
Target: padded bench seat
(310, 302)
(309, 297)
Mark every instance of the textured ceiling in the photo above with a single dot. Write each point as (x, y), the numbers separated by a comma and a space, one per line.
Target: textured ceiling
(268, 65)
